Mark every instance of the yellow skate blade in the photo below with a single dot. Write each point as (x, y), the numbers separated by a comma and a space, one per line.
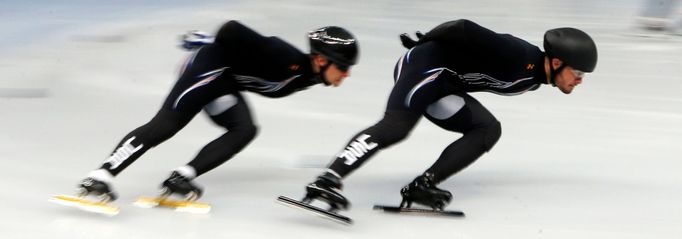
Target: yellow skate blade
(85, 205)
(178, 205)
(146, 202)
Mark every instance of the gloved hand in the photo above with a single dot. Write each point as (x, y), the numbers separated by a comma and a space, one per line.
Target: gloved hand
(194, 39)
(409, 42)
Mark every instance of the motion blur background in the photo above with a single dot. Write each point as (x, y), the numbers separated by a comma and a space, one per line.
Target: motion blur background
(76, 76)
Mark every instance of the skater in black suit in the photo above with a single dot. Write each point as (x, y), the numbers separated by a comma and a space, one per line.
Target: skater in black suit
(433, 80)
(238, 59)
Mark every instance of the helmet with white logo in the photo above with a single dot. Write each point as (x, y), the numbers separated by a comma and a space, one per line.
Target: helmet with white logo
(336, 44)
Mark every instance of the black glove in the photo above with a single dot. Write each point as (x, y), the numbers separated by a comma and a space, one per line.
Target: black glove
(408, 42)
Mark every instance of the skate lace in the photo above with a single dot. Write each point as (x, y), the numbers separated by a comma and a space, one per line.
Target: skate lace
(177, 178)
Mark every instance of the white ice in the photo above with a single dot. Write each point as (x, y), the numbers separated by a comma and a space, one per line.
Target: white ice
(76, 76)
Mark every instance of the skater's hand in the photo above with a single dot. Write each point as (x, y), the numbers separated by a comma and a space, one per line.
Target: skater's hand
(409, 42)
(195, 39)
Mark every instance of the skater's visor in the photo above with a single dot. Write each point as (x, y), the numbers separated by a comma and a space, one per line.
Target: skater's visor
(578, 74)
(341, 66)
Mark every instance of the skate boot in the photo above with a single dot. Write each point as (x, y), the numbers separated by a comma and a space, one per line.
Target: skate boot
(180, 185)
(91, 186)
(424, 191)
(327, 188)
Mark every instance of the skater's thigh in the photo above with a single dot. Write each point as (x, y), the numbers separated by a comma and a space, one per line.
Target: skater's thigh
(420, 79)
(458, 112)
(230, 111)
(204, 78)
(415, 92)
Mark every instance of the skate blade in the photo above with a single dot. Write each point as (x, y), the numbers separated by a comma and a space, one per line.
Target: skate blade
(419, 211)
(315, 210)
(178, 205)
(85, 205)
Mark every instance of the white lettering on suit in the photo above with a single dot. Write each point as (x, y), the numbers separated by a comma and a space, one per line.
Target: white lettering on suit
(123, 153)
(356, 149)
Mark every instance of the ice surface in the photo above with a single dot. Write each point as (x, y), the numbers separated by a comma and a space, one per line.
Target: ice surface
(603, 162)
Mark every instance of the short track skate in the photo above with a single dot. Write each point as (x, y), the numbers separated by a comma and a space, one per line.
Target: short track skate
(80, 202)
(423, 191)
(419, 211)
(305, 205)
(180, 187)
(177, 205)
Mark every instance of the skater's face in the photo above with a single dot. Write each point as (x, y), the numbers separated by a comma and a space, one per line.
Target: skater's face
(334, 73)
(568, 78)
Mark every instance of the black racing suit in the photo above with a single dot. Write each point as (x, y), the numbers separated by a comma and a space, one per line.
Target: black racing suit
(433, 79)
(239, 60)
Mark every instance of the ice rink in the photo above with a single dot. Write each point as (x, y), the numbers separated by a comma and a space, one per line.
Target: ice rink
(76, 76)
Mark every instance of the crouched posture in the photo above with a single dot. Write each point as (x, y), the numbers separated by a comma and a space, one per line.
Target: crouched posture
(237, 59)
(434, 78)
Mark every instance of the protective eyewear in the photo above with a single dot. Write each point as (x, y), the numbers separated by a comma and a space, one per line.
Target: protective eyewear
(578, 74)
(341, 67)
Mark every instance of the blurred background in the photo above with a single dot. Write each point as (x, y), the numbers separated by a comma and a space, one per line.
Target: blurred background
(603, 162)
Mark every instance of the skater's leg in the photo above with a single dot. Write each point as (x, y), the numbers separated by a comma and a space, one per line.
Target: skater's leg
(231, 112)
(201, 81)
(413, 92)
(391, 129)
(394, 127)
(462, 113)
(415, 88)
(459, 113)
(163, 126)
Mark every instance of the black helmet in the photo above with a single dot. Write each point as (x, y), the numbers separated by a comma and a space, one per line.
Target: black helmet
(572, 46)
(335, 43)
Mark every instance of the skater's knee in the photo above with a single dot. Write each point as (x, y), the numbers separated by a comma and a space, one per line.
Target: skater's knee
(251, 131)
(156, 132)
(388, 133)
(492, 134)
(394, 127)
(247, 132)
